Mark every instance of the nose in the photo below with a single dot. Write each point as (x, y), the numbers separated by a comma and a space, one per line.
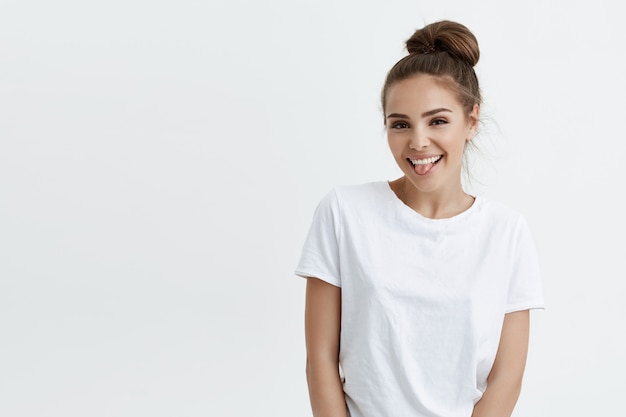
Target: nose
(419, 140)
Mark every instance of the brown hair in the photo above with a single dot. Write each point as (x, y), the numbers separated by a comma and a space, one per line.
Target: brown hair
(447, 50)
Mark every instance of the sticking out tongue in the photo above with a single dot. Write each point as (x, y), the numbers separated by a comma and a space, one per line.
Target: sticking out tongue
(423, 169)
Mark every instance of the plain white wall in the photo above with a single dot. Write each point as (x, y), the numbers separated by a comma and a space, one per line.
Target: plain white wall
(160, 163)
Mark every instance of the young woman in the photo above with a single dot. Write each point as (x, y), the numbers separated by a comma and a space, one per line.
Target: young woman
(418, 294)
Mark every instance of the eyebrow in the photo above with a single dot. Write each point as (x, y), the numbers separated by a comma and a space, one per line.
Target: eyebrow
(425, 114)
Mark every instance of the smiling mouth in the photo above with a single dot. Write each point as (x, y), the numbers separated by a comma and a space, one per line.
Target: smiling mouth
(425, 161)
(424, 165)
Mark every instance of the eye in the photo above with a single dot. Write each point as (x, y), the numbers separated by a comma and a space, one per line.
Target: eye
(438, 121)
(399, 125)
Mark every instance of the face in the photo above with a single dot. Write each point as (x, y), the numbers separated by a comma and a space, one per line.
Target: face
(427, 130)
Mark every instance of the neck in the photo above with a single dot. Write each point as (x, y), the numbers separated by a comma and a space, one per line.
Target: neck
(440, 204)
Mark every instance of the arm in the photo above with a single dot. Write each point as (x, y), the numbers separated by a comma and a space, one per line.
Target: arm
(505, 379)
(322, 328)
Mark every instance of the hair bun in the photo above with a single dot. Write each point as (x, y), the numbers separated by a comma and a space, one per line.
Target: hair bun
(445, 36)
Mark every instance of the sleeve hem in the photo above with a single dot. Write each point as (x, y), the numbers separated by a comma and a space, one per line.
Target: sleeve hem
(511, 308)
(326, 278)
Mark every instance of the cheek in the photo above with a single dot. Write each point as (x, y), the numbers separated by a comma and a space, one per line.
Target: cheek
(392, 143)
(454, 143)
(395, 147)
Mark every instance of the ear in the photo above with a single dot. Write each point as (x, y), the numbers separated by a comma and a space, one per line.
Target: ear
(473, 117)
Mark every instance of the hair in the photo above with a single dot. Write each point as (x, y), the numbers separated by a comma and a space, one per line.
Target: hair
(444, 49)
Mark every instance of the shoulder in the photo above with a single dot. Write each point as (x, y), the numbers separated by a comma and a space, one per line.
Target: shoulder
(503, 220)
(352, 201)
(498, 211)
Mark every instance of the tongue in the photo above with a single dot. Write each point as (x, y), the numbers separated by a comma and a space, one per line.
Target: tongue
(423, 169)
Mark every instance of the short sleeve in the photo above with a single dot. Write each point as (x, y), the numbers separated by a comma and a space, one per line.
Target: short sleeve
(525, 287)
(320, 253)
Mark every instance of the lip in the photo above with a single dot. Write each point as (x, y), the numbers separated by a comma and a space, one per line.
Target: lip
(424, 156)
(431, 170)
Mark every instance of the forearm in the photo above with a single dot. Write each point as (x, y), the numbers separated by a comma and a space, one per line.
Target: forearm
(499, 398)
(325, 390)
(505, 379)
(323, 329)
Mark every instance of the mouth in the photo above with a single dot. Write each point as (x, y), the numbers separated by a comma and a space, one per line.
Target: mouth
(431, 160)
(424, 165)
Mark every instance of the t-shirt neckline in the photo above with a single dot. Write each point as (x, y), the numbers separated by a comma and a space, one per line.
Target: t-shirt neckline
(402, 206)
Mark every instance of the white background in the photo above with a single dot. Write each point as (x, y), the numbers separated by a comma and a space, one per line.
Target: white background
(160, 163)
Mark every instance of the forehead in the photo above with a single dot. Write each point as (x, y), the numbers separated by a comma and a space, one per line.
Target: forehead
(419, 94)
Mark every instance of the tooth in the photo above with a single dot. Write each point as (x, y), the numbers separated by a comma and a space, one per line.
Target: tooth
(425, 161)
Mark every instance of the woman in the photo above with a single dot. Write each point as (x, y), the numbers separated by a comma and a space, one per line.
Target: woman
(418, 294)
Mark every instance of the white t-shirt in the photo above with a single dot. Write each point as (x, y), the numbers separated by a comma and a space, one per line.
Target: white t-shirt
(423, 300)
